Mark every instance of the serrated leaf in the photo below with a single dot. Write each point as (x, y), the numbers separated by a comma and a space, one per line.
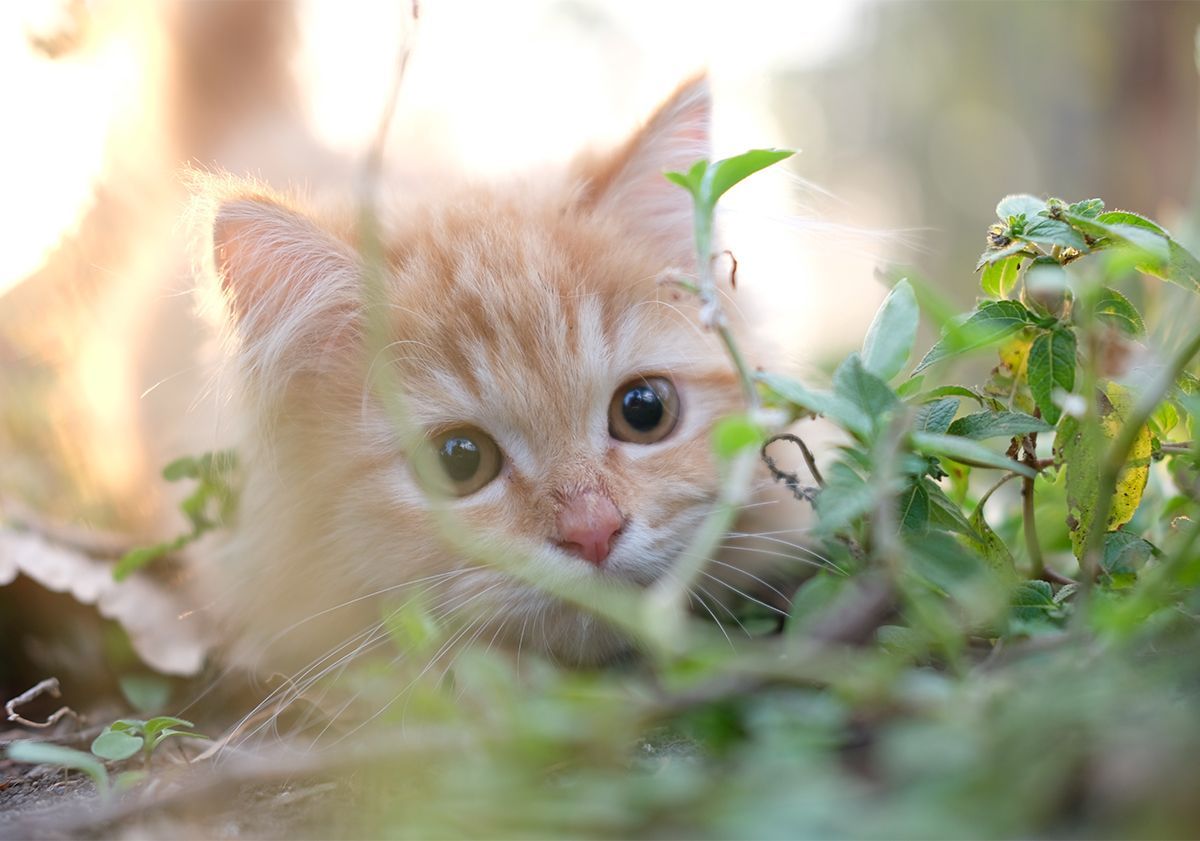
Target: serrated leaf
(1054, 232)
(1089, 208)
(966, 451)
(1082, 456)
(813, 598)
(1145, 237)
(1113, 308)
(890, 338)
(935, 416)
(956, 391)
(1051, 367)
(115, 745)
(1019, 204)
(1034, 601)
(1124, 217)
(990, 323)
(1124, 555)
(1000, 277)
(984, 425)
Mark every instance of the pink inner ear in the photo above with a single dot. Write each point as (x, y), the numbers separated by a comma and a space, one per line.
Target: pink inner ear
(276, 265)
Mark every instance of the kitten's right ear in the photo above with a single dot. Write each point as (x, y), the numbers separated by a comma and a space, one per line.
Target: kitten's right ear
(276, 267)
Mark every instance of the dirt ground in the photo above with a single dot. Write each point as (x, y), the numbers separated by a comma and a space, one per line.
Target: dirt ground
(42, 802)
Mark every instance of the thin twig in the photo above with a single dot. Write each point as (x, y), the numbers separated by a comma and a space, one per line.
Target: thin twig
(790, 479)
(49, 686)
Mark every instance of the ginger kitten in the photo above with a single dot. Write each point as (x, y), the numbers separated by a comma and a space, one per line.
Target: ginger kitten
(568, 394)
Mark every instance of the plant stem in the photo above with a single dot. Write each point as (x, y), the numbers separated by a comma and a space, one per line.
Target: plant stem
(1037, 563)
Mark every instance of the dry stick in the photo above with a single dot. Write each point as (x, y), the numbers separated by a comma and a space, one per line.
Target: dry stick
(791, 480)
(1037, 563)
(49, 686)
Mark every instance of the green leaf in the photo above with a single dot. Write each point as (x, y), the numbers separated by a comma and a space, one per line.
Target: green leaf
(966, 451)
(142, 556)
(995, 255)
(1021, 204)
(892, 333)
(163, 735)
(813, 598)
(990, 323)
(1111, 307)
(1051, 367)
(988, 544)
(1143, 236)
(116, 745)
(855, 383)
(733, 434)
(1182, 266)
(935, 416)
(1124, 217)
(1033, 601)
(186, 467)
(1089, 208)
(943, 512)
(1082, 455)
(914, 508)
(719, 177)
(1054, 232)
(44, 753)
(835, 407)
(845, 498)
(910, 387)
(1000, 276)
(997, 425)
(1124, 554)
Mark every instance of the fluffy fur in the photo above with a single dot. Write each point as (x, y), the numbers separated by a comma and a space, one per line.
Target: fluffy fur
(519, 310)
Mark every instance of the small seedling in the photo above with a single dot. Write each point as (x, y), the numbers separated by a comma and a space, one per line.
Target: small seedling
(126, 736)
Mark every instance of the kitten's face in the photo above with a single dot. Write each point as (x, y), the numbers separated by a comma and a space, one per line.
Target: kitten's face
(568, 393)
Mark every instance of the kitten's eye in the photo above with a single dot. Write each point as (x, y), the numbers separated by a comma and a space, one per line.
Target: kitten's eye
(643, 411)
(469, 459)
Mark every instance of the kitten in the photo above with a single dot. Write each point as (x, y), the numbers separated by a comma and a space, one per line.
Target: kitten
(568, 394)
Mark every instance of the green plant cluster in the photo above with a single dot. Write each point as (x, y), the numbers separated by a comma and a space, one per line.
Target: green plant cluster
(1001, 641)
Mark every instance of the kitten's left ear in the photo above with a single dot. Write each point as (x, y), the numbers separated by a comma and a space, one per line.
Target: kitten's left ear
(630, 184)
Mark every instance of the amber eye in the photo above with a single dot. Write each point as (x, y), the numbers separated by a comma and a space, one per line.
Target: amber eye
(468, 458)
(643, 411)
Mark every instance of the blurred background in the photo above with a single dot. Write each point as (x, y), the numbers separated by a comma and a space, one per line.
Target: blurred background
(912, 119)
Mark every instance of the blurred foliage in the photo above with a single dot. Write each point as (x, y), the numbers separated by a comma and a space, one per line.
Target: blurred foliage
(994, 689)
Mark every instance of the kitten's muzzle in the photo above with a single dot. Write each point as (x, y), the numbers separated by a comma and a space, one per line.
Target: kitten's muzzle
(588, 523)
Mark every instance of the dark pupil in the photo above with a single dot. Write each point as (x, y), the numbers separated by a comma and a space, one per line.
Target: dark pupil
(642, 408)
(460, 458)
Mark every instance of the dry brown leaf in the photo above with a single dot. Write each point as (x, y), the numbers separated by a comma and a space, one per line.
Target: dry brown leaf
(165, 639)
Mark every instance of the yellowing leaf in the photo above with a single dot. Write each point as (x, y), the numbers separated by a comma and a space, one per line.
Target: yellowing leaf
(1083, 454)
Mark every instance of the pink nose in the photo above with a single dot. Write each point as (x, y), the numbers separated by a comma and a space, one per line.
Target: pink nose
(587, 524)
